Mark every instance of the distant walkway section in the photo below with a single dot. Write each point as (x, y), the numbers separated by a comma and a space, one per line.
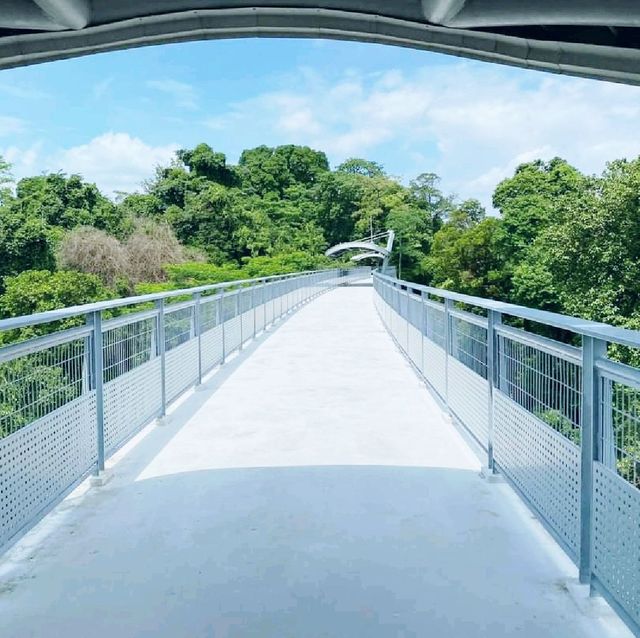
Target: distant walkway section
(313, 488)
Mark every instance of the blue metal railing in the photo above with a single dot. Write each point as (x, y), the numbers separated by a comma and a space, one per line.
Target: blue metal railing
(561, 422)
(97, 374)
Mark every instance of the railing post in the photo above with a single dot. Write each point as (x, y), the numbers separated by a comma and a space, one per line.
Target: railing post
(222, 322)
(198, 331)
(98, 385)
(423, 323)
(592, 350)
(407, 304)
(494, 319)
(264, 304)
(447, 346)
(162, 355)
(253, 307)
(239, 315)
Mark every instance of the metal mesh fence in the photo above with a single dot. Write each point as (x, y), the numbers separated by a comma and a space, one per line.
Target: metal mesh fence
(37, 383)
(543, 383)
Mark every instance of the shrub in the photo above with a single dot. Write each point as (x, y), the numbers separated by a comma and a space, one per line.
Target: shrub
(150, 247)
(94, 252)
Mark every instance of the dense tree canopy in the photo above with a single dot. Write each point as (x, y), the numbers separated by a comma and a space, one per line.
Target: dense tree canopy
(560, 240)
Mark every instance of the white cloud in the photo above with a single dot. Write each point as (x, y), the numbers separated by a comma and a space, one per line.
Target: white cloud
(10, 125)
(184, 94)
(470, 123)
(23, 162)
(114, 161)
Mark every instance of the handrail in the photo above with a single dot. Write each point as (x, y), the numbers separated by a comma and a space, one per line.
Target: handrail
(69, 399)
(71, 311)
(606, 332)
(560, 422)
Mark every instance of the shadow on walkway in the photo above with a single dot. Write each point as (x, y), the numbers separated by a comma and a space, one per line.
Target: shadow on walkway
(339, 551)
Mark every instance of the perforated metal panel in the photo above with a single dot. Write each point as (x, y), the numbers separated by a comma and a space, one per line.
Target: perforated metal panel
(415, 311)
(182, 368)
(42, 460)
(247, 326)
(616, 542)
(259, 314)
(232, 335)
(270, 312)
(130, 402)
(543, 464)
(415, 346)
(468, 395)
(45, 449)
(211, 348)
(434, 321)
(399, 329)
(434, 366)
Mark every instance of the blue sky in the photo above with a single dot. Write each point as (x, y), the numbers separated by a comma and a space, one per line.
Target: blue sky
(112, 117)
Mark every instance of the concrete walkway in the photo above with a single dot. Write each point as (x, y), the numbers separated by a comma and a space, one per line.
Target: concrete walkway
(313, 489)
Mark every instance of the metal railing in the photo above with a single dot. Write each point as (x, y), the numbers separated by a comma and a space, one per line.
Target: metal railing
(560, 421)
(77, 383)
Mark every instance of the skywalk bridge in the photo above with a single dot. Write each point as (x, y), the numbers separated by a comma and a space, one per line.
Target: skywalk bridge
(312, 485)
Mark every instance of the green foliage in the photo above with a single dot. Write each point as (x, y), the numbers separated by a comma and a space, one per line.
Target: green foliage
(198, 274)
(531, 200)
(358, 166)
(41, 290)
(140, 205)
(203, 161)
(30, 388)
(25, 241)
(271, 171)
(68, 202)
(560, 424)
(468, 259)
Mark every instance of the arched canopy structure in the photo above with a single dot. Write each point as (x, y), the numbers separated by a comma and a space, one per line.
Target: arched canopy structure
(363, 256)
(347, 246)
(590, 38)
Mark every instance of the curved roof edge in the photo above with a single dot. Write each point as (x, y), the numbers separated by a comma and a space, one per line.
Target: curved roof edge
(363, 256)
(585, 60)
(357, 245)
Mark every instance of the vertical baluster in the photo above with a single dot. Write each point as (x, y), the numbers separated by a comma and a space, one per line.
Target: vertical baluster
(161, 353)
(253, 307)
(222, 317)
(197, 327)
(494, 319)
(98, 386)
(447, 346)
(592, 350)
(239, 315)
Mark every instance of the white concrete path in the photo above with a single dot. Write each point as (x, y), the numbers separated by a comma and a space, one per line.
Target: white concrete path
(314, 489)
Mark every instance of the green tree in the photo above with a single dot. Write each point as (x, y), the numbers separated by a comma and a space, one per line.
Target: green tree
(26, 241)
(467, 260)
(6, 180)
(425, 192)
(358, 166)
(41, 290)
(68, 202)
(203, 161)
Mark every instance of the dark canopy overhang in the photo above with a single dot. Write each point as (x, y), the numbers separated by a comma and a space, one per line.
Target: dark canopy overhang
(589, 38)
